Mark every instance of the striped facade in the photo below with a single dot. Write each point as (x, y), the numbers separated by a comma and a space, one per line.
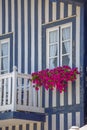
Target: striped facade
(26, 22)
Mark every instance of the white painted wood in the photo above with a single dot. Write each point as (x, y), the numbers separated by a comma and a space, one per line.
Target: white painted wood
(9, 90)
(17, 127)
(83, 128)
(61, 121)
(6, 16)
(34, 97)
(62, 99)
(53, 122)
(3, 128)
(78, 119)
(10, 127)
(46, 11)
(26, 34)
(78, 89)
(24, 127)
(46, 124)
(1, 16)
(69, 93)
(19, 90)
(54, 11)
(4, 96)
(54, 97)
(19, 35)
(69, 120)
(78, 37)
(74, 128)
(25, 92)
(61, 10)
(69, 10)
(32, 37)
(39, 98)
(39, 126)
(46, 98)
(14, 89)
(39, 35)
(30, 94)
(31, 126)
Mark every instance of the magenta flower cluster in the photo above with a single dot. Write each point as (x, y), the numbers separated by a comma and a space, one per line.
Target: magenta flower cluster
(57, 77)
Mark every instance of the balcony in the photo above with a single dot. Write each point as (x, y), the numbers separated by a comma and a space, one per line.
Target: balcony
(19, 97)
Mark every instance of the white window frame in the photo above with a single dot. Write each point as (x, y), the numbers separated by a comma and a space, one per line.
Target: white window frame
(59, 28)
(3, 41)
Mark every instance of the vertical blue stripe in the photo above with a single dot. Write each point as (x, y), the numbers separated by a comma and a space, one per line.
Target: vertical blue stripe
(65, 122)
(66, 9)
(20, 127)
(11, 52)
(42, 126)
(9, 15)
(35, 126)
(27, 127)
(29, 36)
(16, 32)
(22, 37)
(6, 128)
(57, 122)
(50, 11)
(73, 119)
(36, 35)
(73, 93)
(13, 127)
(73, 9)
(3, 16)
(43, 11)
(50, 98)
(57, 10)
(50, 122)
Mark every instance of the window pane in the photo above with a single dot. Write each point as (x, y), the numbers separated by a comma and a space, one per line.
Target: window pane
(53, 63)
(53, 50)
(65, 47)
(53, 36)
(4, 63)
(65, 33)
(66, 60)
(4, 49)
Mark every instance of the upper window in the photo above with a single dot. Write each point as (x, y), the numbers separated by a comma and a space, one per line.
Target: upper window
(59, 46)
(4, 56)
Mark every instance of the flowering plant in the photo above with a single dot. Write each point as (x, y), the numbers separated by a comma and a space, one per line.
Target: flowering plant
(57, 77)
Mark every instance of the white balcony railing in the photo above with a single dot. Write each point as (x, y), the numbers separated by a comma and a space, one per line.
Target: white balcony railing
(18, 94)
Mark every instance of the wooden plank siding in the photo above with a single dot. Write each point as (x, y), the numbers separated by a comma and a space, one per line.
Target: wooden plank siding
(28, 20)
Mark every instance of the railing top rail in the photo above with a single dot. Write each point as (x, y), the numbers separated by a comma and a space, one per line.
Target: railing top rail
(7, 75)
(26, 76)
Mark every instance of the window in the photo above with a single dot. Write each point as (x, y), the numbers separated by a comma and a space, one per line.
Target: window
(59, 46)
(4, 56)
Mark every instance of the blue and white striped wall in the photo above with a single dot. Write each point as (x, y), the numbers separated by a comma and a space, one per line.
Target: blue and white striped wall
(28, 20)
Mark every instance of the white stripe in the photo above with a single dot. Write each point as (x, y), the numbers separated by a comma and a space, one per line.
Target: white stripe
(46, 11)
(78, 53)
(10, 128)
(31, 126)
(53, 122)
(69, 93)
(78, 119)
(6, 16)
(39, 35)
(3, 128)
(13, 29)
(46, 124)
(46, 98)
(54, 97)
(1, 16)
(16, 127)
(61, 10)
(78, 37)
(39, 126)
(61, 121)
(24, 127)
(62, 99)
(69, 10)
(54, 11)
(19, 35)
(69, 120)
(32, 36)
(26, 34)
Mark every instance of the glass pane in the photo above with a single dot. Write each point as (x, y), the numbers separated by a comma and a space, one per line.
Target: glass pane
(4, 49)
(53, 63)
(53, 36)
(4, 63)
(65, 33)
(65, 47)
(66, 60)
(53, 50)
